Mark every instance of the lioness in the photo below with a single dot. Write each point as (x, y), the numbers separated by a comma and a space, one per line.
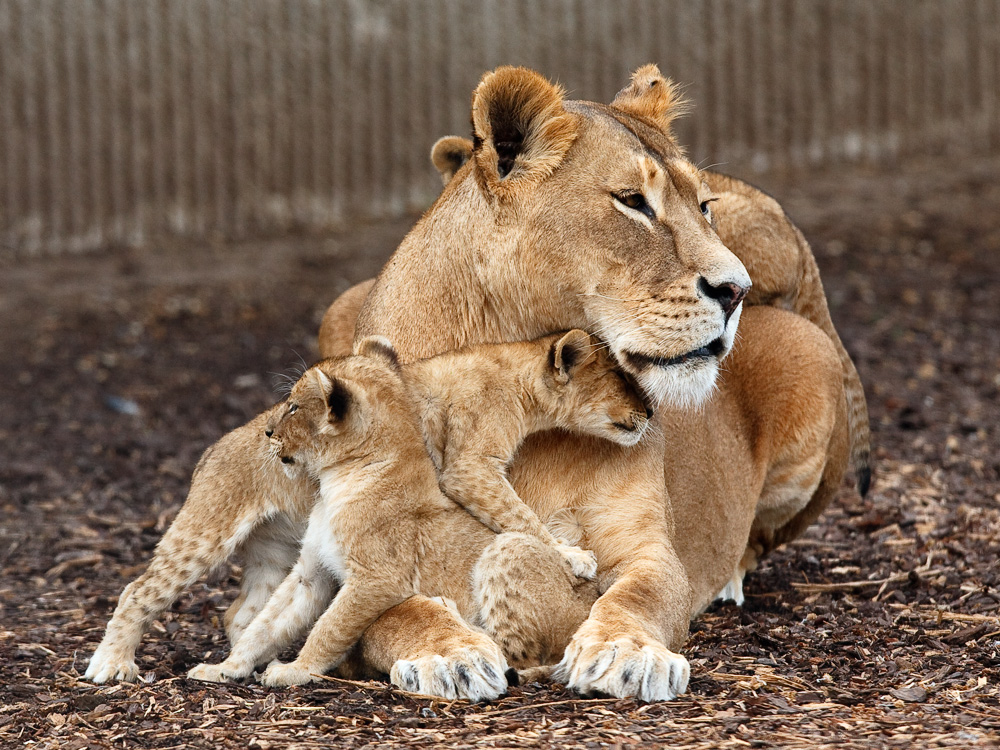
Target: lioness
(576, 214)
(474, 408)
(380, 522)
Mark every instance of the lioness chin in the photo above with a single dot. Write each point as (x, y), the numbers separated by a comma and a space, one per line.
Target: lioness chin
(577, 214)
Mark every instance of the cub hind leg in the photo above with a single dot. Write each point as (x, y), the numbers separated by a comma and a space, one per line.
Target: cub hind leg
(188, 550)
(528, 599)
(268, 556)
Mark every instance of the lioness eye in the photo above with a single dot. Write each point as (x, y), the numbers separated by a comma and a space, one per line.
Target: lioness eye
(292, 408)
(635, 201)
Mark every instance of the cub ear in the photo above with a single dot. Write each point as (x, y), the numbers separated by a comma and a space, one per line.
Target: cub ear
(569, 352)
(652, 98)
(338, 398)
(521, 130)
(449, 154)
(377, 347)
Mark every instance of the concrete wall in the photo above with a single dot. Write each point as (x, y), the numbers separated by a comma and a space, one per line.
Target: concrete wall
(124, 119)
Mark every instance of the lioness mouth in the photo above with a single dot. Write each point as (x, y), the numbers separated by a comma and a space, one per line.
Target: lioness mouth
(642, 361)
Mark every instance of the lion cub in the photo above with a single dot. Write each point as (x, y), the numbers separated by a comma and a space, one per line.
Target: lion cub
(242, 502)
(474, 425)
(381, 527)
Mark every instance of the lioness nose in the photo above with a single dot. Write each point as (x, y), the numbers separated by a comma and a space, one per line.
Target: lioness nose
(727, 294)
(268, 432)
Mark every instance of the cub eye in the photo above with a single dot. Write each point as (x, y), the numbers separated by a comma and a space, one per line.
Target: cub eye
(635, 201)
(292, 408)
(706, 210)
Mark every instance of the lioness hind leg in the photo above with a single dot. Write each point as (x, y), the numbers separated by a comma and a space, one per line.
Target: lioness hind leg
(336, 332)
(528, 599)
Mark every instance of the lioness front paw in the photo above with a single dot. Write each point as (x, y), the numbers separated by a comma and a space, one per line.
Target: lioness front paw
(624, 668)
(106, 665)
(583, 562)
(217, 673)
(279, 674)
(475, 674)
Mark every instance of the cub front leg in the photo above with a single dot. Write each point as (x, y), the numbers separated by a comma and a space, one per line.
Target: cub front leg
(480, 485)
(293, 607)
(426, 647)
(356, 606)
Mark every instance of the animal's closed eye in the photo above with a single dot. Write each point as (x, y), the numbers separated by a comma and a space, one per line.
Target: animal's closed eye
(292, 408)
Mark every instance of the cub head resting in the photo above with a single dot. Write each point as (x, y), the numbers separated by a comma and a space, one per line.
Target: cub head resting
(583, 389)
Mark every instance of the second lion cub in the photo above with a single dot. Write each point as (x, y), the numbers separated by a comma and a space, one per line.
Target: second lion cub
(382, 529)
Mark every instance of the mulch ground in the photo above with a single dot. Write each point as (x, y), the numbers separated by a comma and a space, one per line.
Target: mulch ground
(879, 628)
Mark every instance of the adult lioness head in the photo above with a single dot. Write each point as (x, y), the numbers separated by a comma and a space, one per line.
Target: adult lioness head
(575, 214)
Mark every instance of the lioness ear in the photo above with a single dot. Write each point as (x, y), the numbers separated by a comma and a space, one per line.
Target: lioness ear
(337, 397)
(449, 154)
(652, 98)
(568, 353)
(378, 347)
(521, 130)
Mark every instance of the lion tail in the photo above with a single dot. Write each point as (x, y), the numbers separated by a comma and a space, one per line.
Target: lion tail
(810, 302)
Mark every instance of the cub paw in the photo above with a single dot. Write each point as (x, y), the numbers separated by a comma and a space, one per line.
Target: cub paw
(474, 674)
(213, 673)
(106, 666)
(279, 674)
(583, 562)
(627, 667)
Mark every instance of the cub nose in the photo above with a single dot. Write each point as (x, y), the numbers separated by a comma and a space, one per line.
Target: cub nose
(727, 294)
(268, 432)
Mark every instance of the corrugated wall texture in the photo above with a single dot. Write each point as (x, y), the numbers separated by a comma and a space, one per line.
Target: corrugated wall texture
(122, 119)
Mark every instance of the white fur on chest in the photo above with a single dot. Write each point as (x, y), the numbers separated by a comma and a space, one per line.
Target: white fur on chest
(324, 535)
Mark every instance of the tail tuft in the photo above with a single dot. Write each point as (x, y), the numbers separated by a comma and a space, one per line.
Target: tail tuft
(863, 475)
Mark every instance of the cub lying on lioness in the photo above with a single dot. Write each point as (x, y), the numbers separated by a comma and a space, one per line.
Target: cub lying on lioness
(240, 501)
(383, 530)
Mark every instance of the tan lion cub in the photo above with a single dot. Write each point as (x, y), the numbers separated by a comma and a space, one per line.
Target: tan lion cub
(474, 425)
(381, 527)
(240, 501)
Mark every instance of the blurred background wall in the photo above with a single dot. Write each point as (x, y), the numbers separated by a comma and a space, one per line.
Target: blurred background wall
(125, 119)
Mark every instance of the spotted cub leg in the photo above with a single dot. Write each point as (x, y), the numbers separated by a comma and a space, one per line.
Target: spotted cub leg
(268, 556)
(529, 599)
(188, 550)
(290, 611)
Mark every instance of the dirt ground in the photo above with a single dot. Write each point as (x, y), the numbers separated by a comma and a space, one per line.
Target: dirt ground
(879, 628)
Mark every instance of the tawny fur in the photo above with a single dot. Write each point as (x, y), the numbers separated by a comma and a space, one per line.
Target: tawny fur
(475, 407)
(240, 502)
(382, 530)
(571, 246)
